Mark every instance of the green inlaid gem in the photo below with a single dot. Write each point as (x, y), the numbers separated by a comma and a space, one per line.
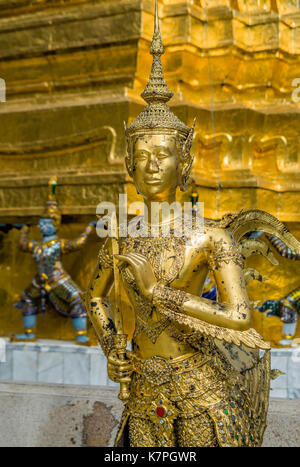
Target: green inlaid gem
(226, 411)
(237, 436)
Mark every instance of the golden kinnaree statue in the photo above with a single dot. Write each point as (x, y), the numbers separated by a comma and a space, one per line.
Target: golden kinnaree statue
(195, 375)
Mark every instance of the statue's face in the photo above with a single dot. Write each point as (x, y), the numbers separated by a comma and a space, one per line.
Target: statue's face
(156, 166)
(47, 227)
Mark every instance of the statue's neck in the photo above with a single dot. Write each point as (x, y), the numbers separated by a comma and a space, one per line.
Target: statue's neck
(158, 216)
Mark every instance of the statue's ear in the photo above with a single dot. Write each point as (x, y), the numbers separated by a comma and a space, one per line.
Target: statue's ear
(189, 141)
(128, 157)
(128, 163)
(186, 170)
(188, 159)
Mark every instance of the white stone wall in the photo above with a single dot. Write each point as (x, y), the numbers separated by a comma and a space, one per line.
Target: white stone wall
(63, 362)
(50, 361)
(288, 361)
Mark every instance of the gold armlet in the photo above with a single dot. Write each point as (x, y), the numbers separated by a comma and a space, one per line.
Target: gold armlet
(222, 255)
(105, 259)
(166, 297)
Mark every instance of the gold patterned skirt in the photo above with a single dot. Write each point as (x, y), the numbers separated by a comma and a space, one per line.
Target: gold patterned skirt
(192, 401)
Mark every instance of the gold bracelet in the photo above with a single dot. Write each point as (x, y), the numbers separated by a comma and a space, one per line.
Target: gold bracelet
(222, 255)
(166, 297)
(105, 259)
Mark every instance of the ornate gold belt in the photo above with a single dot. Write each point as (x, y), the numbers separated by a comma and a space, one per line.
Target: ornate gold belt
(158, 370)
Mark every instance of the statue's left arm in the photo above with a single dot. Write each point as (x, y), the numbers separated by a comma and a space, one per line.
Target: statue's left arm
(232, 310)
(67, 246)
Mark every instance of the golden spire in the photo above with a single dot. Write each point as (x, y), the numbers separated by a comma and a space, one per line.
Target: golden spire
(156, 89)
(157, 115)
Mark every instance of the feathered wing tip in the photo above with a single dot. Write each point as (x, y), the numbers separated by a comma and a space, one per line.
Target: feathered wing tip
(249, 338)
(256, 220)
(257, 384)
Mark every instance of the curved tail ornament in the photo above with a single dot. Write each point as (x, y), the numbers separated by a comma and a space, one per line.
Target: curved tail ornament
(256, 220)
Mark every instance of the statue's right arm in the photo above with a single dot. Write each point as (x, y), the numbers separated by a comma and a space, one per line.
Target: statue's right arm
(98, 306)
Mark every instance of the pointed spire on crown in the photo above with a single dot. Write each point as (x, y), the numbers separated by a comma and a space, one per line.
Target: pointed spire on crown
(156, 90)
(157, 115)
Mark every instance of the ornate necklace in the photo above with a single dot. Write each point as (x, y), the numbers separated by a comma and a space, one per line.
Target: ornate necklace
(165, 253)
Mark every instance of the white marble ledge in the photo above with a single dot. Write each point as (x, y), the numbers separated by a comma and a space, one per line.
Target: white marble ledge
(287, 360)
(54, 361)
(51, 345)
(64, 362)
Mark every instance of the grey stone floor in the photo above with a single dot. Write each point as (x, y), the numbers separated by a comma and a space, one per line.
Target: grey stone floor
(45, 415)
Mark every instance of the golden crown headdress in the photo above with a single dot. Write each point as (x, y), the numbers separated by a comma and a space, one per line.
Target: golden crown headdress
(157, 114)
(51, 210)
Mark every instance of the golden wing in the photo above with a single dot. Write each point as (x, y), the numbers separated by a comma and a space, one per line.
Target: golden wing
(256, 220)
(256, 382)
(249, 338)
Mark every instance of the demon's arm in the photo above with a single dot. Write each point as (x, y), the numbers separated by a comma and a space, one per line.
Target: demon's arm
(67, 246)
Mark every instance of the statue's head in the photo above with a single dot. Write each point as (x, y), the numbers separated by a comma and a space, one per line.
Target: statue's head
(158, 143)
(47, 227)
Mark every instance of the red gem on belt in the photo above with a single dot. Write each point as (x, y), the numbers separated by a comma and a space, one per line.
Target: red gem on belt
(160, 411)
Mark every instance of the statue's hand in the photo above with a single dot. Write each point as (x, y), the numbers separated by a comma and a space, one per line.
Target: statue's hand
(118, 369)
(142, 271)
